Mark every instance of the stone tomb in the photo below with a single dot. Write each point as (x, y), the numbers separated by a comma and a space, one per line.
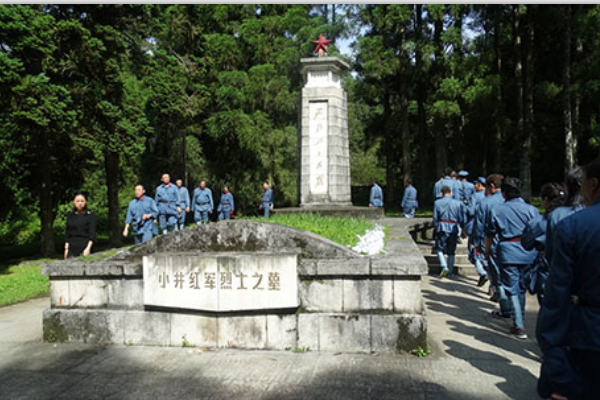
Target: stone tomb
(298, 290)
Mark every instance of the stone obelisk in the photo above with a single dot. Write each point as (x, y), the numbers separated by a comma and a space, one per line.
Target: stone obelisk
(323, 147)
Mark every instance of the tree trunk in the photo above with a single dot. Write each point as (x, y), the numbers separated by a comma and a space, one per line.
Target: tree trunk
(390, 155)
(406, 161)
(498, 114)
(441, 156)
(403, 92)
(335, 31)
(525, 163)
(576, 92)
(184, 158)
(570, 142)
(424, 141)
(519, 89)
(111, 166)
(459, 148)
(46, 207)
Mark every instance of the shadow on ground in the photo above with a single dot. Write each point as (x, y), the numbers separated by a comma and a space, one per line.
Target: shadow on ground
(42, 371)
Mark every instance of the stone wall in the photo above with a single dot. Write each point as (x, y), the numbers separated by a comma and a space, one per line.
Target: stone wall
(348, 303)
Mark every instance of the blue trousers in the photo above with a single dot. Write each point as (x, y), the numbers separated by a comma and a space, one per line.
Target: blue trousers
(266, 209)
(224, 214)
(477, 259)
(510, 276)
(201, 217)
(409, 212)
(494, 274)
(480, 267)
(518, 305)
(446, 242)
(168, 222)
(181, 218)
(143, 237)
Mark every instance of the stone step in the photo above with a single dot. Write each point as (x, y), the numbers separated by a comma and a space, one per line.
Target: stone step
(459, 259)
(464, 270)
(431, 252)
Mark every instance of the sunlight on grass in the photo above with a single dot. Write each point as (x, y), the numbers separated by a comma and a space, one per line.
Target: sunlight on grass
(20, 282)
(340, 230)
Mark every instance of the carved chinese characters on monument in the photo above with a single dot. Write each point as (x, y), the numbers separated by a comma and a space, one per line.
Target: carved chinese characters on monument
(318, 147)
(221, 282)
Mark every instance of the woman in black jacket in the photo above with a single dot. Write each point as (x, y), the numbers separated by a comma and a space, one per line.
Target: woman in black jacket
(81, 229)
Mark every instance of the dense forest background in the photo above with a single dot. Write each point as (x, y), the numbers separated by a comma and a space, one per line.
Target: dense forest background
(98, 98)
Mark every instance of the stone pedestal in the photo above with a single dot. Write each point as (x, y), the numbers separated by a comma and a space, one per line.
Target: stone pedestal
(323, 147)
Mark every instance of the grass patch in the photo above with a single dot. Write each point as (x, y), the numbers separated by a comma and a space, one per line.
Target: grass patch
(19, 282)
(336, 229)
(421, 212)
(421, 352)
(102, 255)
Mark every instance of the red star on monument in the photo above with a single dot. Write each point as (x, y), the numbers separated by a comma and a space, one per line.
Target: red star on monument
(321, 44)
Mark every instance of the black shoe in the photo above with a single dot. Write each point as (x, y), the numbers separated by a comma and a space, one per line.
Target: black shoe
(482, 280)
(500, 315)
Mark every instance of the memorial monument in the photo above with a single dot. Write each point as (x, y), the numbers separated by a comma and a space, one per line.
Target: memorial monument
(323, 143)
(324, 152)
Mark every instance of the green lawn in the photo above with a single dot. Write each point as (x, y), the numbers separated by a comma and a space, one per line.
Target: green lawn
(22, 281)
(336, 229)
(421, 212)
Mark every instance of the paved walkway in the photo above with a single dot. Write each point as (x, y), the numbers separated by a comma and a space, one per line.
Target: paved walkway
(473, 359)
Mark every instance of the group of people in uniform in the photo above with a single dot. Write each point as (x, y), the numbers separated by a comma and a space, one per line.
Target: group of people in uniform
(409, 199)
(172, 203)
(553, 255)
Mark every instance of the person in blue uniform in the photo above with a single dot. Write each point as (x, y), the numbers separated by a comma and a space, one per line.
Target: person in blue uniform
(266, 203)
(202, 203)
(552, 196)
(446, 181)
(482, 215)
(184, 203)
(226, 205)
(506, 224)
(448, 215)
(475, 257)
(573, 203)
(376, 195)
(167, 198)
(409, 200)
(141, 214)
(569, 319)
(466, 188)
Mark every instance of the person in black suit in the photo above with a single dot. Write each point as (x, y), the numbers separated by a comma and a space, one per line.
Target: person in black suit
(81, 229)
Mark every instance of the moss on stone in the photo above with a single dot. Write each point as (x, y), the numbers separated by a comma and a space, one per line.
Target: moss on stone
(406, 341)
(54, 330)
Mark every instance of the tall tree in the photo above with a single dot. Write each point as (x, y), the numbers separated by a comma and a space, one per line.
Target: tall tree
(439, 127)
(570, 140)
(38, 119)
(114, 120)
(421, 72)
(528, 77)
